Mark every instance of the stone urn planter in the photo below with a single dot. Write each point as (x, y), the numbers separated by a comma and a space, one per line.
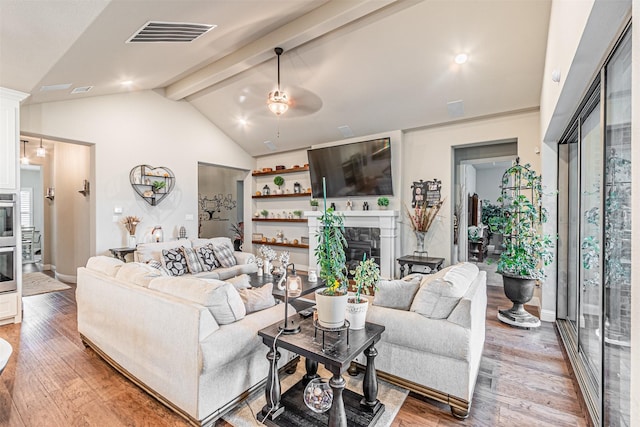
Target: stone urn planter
(520, 291)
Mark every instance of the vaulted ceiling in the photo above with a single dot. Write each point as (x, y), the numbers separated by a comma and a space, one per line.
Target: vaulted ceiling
(350, 67)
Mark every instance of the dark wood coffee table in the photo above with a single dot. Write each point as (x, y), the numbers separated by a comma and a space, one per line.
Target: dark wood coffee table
(336, 357)
(307, 286)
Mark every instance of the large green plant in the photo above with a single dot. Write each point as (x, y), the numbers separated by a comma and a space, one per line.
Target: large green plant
(366, 275)
(526, 249)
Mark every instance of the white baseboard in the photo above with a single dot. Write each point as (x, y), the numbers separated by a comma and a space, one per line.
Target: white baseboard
(547, 315)
(66, 278)
(46, 267)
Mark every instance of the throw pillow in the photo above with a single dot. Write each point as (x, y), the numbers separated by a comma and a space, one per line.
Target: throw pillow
(192, 260)
(174, 261)
(224, 255)
(256, 299)
(104, 264)
(396, 294)
(437, 297)
(240, 282)
(137, 273)
(158, 265)
(221, 299)
(207, 257)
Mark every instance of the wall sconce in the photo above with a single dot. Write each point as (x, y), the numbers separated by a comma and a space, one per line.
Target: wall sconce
(85, 188)
(50, 193)
(292, 286)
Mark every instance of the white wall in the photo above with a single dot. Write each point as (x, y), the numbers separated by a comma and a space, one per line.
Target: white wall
(488, 183)
(31, 177)
(429, 152)
(132, 129)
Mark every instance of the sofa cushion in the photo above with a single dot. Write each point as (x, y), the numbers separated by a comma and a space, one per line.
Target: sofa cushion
(397, 294)
(146, 251)
(240, 282)
(138, 273)
(105, 264)
(174, 261)
(206, 257)
(439, 295)
(220, 298)
(256, 299)
(193, 263)
(224, 255)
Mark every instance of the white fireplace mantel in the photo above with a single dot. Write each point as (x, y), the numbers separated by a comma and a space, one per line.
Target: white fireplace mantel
(385, 220)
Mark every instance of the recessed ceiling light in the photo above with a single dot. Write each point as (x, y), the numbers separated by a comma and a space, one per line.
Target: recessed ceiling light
(461, 58)
(242, 122)
(126, 82)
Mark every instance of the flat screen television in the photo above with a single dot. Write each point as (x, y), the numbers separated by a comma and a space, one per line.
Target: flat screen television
(356, 169)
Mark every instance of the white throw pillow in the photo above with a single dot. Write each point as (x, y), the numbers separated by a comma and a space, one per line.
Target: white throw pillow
(256, 299)
(221, 298)
(138, 273)
(396, 294)
(439, 295)
(105, 264)
(240, 282)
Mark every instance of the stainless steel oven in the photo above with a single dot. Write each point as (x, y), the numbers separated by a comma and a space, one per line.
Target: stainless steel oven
(8, 219)
(8, 269)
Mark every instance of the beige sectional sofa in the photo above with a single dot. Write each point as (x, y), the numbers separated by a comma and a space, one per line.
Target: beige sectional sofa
(434, 335)
(168, 336)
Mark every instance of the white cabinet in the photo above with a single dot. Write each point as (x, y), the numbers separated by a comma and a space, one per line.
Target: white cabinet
(8, 307)
(9, 137)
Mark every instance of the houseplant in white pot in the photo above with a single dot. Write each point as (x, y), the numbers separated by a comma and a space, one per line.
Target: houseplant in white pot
(526, 250)
(331, 301)
(366, 275)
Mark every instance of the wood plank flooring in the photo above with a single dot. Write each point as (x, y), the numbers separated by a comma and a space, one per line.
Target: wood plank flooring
(52, 380)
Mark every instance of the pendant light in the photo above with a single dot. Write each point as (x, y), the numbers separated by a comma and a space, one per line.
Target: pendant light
(40, 151)
(24, 160)
(278, 101)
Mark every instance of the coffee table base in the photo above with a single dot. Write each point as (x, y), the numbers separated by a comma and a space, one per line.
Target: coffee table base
(298, 414)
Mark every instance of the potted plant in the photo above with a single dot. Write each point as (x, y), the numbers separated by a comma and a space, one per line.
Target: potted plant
(314, 204)
(279, 181)
(330, 256)
(526, 250)
(366, 276)
(297, 214)
(383, 202)
(158, 185)
(264, 213)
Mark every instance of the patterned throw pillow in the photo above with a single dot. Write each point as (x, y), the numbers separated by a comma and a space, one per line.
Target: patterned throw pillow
(192, 260)
(174, 261)
(158, 265)
(224, 255)
(207, 257)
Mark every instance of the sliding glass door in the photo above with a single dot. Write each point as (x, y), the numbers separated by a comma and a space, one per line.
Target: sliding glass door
(594, 241)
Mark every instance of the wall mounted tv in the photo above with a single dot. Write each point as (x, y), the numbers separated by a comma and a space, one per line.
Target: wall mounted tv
(357, 169)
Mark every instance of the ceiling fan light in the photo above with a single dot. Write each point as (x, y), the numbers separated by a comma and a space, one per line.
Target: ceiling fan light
(278, 102)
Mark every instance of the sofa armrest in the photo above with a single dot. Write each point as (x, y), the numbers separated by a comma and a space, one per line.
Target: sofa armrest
(470, 313)
(244, 257)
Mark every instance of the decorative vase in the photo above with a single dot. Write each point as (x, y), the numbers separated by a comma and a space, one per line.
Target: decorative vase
(520, 291)
(357, 312)
(132, 240)
(420, 243)
(266, 267)
(331, 309)
(313, 277)
(318, 395)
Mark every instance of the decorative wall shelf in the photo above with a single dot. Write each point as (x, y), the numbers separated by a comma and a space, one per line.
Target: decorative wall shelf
(272, 196)
(281, 171)
(153, 184)
(280, 219)
(287, 245)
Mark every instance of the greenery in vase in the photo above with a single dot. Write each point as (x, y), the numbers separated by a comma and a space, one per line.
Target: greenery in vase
(278, 180)
(526, 249)
(158, 185)
(297, 213)
(383, 201)
(313, 202)
(264, 213)
(330, 254)
(366, 275)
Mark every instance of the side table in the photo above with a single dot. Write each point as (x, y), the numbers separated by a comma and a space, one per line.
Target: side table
(121, 253)
(434, 264)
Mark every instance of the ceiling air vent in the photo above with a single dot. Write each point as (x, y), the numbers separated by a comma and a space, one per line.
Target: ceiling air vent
(169, 32)
(82, 89)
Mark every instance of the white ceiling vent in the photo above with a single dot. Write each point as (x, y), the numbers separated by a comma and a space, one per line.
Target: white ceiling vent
(82, 89)
(169, 32)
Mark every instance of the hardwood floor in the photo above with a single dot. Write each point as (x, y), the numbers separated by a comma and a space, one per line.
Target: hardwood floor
(52, 380)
